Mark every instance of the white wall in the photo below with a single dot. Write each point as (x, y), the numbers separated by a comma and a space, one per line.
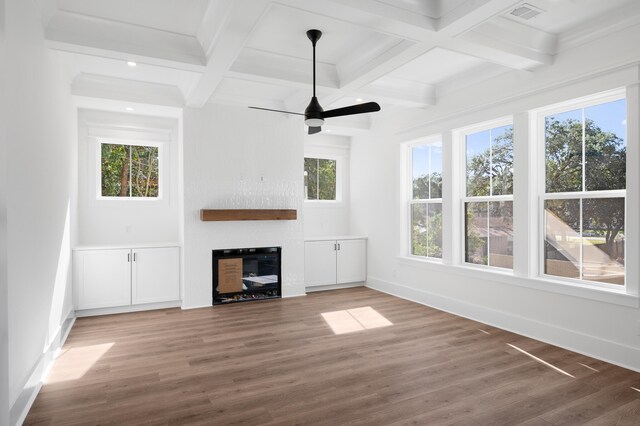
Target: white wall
(240, 158)
(328, 218)
(608, 329)
(40, 168)
(4, 303)
(128, 221)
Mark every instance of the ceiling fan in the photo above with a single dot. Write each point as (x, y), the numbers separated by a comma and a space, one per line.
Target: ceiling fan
(314, 115)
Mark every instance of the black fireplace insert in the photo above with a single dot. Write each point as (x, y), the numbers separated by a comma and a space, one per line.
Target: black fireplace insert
(246, 274)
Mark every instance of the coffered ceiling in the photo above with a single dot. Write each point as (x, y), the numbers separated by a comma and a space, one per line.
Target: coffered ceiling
(401, 53)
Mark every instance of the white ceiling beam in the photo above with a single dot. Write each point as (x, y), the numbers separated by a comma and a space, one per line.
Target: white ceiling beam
(508, 43)
(508, 56)
(213, 20)
(98, 86)
(231, 38)
(471, 14)
(400, 92)
(78, 33)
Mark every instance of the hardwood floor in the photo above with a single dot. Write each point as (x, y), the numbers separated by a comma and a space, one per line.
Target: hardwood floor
(279, 362)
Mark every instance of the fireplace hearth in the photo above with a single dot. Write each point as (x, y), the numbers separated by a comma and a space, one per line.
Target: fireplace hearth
(246, 274)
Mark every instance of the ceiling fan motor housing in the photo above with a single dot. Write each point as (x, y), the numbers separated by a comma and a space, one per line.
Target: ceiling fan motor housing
(314, 114)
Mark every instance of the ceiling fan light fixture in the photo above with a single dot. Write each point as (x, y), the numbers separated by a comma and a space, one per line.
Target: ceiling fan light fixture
(314, 114)
(314, 122)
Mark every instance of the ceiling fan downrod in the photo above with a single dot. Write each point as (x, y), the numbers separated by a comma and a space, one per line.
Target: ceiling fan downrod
(313, 114)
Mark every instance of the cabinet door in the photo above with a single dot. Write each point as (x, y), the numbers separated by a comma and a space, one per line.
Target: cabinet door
(103, 278)
(156, 276)
(352, 261)
(319, 263)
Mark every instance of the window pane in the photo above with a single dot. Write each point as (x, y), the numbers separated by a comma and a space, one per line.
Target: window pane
(502, 160)
(478, 146)
(114, 170)
(327, 178)
(144, 171)
(562, 238)
(605, 146)
(436, 170)
(501, 234)
(419, 229)
(476, 233)
(420, 172)
(603, 240)
(563, 152)
(311, 170)
(434, 246)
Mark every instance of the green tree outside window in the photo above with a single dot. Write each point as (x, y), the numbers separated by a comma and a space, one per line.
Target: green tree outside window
(129, 171)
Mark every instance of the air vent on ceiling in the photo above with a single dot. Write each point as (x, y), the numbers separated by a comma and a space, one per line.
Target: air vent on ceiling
(526, 11)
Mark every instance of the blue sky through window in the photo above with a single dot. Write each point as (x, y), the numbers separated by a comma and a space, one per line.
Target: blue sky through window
(610, 117)
(420, 156)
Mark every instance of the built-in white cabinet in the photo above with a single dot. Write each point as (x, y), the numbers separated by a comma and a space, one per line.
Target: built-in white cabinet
(106, 278)
(335, 261)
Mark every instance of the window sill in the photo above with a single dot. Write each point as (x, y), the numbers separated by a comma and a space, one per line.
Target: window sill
(612, 296)
(127, 199)
(324, 203)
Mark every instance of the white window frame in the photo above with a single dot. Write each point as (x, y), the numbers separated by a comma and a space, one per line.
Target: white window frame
(539, 117)
(464, 198)
(339, 159)
(112, 141)
(408, 193)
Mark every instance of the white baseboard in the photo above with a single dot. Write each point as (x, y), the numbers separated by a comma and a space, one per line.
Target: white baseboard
(333, 287)
(294, 295)
(21, 406)
(592, 346)
(187, 308)
(129, 308)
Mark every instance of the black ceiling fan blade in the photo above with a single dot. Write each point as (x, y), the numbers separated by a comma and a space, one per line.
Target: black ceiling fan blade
(314, 130)
(353, 109)
(276, 110)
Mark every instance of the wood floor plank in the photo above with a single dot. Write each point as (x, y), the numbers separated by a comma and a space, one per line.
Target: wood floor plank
(279, 362)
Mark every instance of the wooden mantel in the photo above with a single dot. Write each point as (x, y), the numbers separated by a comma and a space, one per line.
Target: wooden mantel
(208, 215)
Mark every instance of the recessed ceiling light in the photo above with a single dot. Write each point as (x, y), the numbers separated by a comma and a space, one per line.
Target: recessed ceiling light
(328, 130)
(359, 100)
(131, 64)
(129, 109)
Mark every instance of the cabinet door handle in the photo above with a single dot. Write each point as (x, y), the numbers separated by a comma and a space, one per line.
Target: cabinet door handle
(335, 247)
(338, 246)
(134, 257)
(128, 257)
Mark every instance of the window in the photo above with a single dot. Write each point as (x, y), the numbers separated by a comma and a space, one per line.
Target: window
(426, 200)
(584, 192)
(488, 204)
(320, 179)
(129, 171)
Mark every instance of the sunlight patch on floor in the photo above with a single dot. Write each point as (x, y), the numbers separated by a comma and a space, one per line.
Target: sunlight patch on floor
(590, 368)
(559, 370)
(74, 363)
(350, 320)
